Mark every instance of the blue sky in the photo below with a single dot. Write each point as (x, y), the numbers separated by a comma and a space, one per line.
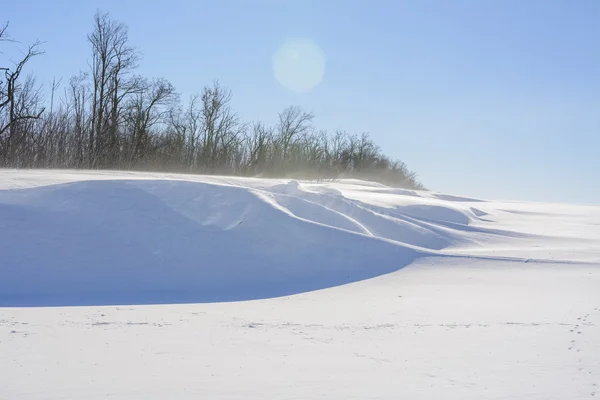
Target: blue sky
(496, 99)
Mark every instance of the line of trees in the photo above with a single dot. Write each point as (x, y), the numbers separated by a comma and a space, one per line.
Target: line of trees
(111, 117)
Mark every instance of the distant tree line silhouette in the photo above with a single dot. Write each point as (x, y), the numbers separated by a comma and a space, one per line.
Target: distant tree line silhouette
(109, 117)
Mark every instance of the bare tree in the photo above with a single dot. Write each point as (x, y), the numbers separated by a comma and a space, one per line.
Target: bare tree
(191, 124)
(78, 97)
(17, 99)
(222, 129)
(146, 109)
(293, 122)
(258, 148)
(112, 61)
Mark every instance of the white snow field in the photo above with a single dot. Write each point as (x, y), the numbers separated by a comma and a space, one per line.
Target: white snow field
(117, 285)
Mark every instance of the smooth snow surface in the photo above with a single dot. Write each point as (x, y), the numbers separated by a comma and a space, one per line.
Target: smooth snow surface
(294, 290)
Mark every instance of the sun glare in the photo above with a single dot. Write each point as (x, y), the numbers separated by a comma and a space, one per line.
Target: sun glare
(299, 65)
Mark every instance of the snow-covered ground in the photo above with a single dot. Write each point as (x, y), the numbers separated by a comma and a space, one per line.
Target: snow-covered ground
(125, 285)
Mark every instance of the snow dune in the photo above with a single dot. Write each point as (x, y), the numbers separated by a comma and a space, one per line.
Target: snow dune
(130, 242)
(98, 240)
(358, 291)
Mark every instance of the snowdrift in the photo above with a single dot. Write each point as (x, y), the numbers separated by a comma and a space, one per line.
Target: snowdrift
(132, 242)
(137, 239)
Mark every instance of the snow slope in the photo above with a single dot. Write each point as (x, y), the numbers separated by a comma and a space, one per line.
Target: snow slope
(344, 290)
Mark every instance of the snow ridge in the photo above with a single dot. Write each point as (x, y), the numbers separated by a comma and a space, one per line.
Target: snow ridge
(137, 239)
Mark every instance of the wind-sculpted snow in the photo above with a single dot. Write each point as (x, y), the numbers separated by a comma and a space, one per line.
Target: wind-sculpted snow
(133, 239)
(130, 242)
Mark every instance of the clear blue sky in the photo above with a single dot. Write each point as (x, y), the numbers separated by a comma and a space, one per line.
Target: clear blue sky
(497, 99)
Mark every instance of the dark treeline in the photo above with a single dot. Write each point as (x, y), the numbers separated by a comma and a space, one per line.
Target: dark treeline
(109, 117)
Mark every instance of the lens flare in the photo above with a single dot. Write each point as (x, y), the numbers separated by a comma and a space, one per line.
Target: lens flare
(299, 65)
